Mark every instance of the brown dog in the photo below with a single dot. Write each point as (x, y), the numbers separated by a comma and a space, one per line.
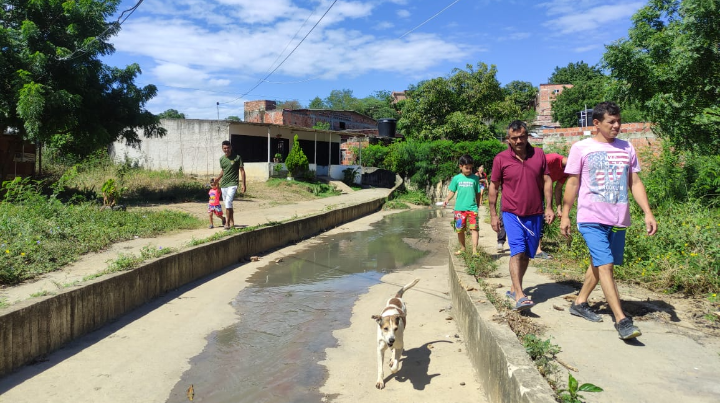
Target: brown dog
(391, 326)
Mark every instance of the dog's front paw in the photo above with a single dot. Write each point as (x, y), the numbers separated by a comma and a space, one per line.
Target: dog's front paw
(380, 384)
(394, 366)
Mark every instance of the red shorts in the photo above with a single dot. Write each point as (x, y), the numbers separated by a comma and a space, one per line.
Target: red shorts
(216, 209)
(463, 219)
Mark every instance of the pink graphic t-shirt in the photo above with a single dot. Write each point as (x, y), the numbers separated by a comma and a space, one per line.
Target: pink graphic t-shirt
(604, 170)
(214, 197)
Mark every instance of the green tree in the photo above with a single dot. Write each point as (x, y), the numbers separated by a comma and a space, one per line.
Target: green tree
(171, 114)
(575, 73)
(296, 161)
(570, 101)
(317, 103)
(521, 93)
(341, 100)
(460, 107)
(54, 87)
(377, 106)
(670, 66)
(233, 118)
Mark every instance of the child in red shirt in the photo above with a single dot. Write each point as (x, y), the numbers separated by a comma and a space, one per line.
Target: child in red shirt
(214, 207)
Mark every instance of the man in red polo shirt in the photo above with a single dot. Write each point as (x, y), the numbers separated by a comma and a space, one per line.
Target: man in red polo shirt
(522, 173)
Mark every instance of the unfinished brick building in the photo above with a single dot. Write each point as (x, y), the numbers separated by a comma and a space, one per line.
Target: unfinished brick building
(266, 112)
(543, 104)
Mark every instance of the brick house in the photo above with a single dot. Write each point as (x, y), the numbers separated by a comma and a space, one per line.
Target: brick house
(543, 104)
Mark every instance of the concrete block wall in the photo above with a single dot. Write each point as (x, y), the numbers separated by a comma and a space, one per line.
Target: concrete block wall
(501, 363)
(33, 328)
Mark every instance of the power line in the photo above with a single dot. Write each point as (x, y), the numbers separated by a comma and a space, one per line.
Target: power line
(113, 25)
(426, 21)
(288, 56)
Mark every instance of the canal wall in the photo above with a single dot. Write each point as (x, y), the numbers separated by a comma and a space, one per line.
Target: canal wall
(500, 361)
(31, 329)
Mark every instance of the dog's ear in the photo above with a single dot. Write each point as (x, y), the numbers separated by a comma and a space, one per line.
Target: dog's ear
(377, 318)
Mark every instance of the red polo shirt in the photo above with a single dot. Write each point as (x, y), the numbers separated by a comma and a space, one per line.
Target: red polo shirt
(522, 181)
(557, 171)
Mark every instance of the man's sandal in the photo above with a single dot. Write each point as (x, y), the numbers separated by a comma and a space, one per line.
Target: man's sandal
(523, 304)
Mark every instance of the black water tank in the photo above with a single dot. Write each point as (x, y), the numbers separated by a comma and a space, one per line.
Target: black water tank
(386, 127)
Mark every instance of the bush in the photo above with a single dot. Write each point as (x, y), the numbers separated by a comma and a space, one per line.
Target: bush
(296, 161)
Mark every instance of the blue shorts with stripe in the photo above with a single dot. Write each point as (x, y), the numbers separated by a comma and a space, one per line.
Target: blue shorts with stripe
(523, 233)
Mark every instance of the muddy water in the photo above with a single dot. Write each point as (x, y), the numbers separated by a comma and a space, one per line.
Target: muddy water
(289, 310)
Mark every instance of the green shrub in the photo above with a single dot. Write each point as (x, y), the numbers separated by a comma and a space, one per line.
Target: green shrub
(296, 161)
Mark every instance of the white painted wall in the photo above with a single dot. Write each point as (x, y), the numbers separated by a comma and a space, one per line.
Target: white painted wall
(336, 172)
(194, 146)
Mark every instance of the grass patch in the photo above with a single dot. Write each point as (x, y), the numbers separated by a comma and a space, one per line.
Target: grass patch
(395, 205)
(315, 188)
(131, 261)
(43, 293)
(416, 197)
(41, 234)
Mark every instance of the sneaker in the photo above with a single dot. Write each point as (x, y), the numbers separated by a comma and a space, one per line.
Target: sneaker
(583, 310)
(627, 330)
(500, 247)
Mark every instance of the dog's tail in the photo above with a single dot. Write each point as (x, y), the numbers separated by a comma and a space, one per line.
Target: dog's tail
(406, 287)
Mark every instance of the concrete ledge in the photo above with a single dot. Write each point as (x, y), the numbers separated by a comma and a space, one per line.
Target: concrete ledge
(503, 366)
(33, 328)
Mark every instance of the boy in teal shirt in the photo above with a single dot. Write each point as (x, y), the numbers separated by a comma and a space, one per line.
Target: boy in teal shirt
(467, 187)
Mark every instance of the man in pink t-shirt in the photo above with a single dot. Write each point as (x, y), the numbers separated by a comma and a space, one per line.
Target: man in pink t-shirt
(602, 170)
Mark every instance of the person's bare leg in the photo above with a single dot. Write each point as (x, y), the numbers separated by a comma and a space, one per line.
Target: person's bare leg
(230, 217)
(475, 237)
(603, 275)
(461, 239)
(211, 219)
(609, 287)
(591, 280)
(518, 267)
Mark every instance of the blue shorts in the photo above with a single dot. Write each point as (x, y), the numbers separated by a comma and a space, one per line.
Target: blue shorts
(523, 233)
(605, 242)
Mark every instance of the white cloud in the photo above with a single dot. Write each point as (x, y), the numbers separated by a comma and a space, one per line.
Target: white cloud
(582, 49)
(403, 13)
(577, 17)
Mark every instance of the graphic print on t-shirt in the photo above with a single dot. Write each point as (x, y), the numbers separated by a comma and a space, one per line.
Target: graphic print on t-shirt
(608, 173)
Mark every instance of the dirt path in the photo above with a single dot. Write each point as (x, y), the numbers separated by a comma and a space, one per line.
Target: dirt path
(675, 359)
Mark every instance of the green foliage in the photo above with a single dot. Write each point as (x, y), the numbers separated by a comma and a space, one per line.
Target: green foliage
(56, 89)
(374, 155)
(480, 265)
(377, 106)
(233, 118)
(575, 73)
(571, 395)
(670, 64)
(573, 100)
(349, 175)
(41, 234)
(542, 352)
(171, 114)
(459, 107)
(395, 205)
(417, 197)
(296, 161)
(321, 126)
(522, 94)
(111, 192)
(317, 103)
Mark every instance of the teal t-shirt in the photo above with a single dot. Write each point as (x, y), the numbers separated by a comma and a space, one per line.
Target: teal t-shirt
(466, 189)
(231, 170)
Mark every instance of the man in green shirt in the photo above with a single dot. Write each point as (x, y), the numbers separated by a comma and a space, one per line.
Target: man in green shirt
(229, 179)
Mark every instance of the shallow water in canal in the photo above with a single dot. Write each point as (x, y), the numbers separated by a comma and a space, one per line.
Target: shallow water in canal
(289, 310)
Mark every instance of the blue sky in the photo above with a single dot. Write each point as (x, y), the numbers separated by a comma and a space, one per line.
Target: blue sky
(200, 52)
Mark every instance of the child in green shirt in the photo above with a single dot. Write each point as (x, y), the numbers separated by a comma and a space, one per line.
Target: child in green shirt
(467, 188)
